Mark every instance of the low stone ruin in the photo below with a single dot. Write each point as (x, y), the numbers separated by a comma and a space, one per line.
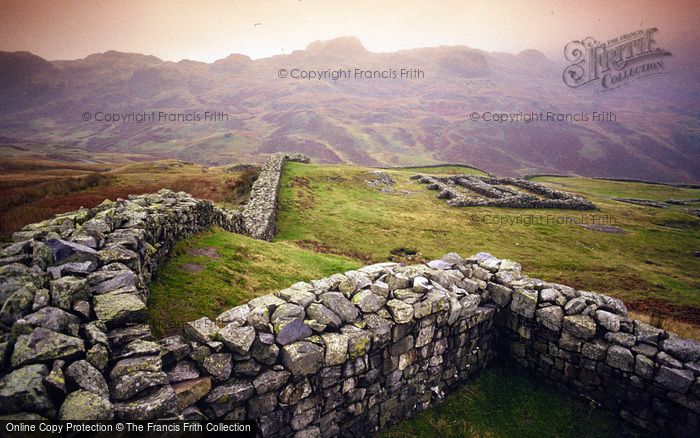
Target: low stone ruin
(381, 181)
(643, 202)
(476, 191)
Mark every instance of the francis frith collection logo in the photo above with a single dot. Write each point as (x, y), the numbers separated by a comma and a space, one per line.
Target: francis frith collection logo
(615, 62)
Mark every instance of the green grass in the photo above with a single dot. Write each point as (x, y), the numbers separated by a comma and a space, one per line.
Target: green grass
(606, 188)
(246, 268)
(653, 259)
(505, 403)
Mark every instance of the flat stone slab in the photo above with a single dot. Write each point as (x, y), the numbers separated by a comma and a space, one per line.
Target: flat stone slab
(119, 308)
(43, 345)
(190, 392)
(159, 403)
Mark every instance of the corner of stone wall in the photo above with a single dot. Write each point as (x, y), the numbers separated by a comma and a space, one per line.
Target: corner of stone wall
(355, 352)
(585, 342)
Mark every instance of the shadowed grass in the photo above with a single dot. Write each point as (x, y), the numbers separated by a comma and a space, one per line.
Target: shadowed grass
(505, 403)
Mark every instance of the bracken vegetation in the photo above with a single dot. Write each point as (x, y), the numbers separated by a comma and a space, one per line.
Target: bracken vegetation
(34, 191)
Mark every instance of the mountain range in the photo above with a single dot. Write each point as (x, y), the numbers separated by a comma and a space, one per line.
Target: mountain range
(377, 121)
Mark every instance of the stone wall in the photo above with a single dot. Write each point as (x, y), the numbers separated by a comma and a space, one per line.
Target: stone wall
(352, 352)
(74, 342)
(585, 343)
(260, 213)
(342, 355)
(74, 290)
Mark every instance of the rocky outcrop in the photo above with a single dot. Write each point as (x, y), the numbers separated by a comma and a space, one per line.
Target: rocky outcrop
(495, 192)
(260, 213)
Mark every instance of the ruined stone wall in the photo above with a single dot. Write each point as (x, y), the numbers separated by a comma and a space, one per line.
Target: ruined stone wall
(260, 213)
(586, 343)
(342, 355)
(73, 291)
(494, 192)
(74, 342)
(353, 352)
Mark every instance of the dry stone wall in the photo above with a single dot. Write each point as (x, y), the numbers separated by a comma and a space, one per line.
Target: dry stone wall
(260, 213)
(344, 355)
(585, 343)
(74, 291)
(74, 342)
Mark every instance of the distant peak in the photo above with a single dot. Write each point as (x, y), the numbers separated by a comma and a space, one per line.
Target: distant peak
(233, 58)
(116, 55)
(532, 54)
(21, 64)
(347, 45)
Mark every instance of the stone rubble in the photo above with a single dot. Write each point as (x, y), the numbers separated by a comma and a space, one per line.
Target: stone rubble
(494, 192)
(381, 181)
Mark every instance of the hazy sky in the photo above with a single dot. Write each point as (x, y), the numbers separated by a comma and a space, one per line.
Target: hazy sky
(209, 30)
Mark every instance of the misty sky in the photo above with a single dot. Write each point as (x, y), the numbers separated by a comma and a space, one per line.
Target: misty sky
(210, 30)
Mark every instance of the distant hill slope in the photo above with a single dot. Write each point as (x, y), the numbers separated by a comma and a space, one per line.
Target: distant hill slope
(362, 121)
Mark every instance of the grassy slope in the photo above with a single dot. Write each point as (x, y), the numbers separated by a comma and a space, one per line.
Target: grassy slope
(246, 268)
(653, 259)
(503, 403)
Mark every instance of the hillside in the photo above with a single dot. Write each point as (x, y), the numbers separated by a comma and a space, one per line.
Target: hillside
(337, 217)
(362, 121)
(342, 216)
